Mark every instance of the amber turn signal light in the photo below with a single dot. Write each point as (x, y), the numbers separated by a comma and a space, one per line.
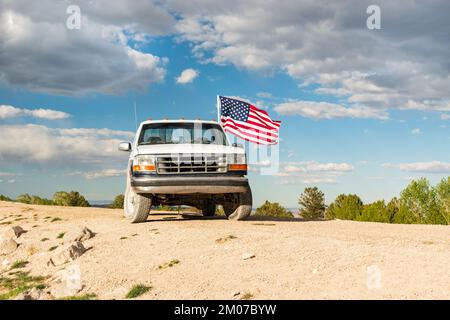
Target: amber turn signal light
(144, 168)
(237, 167)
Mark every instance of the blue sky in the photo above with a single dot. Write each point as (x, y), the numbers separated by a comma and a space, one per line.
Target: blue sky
(364, 117)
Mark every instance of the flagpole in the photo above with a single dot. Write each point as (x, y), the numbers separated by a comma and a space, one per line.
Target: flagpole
(218, 109)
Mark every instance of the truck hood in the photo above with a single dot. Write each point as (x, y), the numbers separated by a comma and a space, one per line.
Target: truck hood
(188, 148)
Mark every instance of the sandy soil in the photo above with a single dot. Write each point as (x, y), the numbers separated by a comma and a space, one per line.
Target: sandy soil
(293, 259)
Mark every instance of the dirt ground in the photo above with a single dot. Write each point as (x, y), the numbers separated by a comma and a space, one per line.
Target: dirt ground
(293, 259)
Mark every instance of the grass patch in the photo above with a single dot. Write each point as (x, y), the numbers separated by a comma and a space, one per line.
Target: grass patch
(19, 264)
(134, 235)
(35, 226)
(61, 235)
(19, 282)
(225, 239)
(263, 224)
(52, 248)
(55, 219)
(5, 223)
(87, 296)
(169, 264)
(123, 238)
(247, 296)
(45, 239)
(137, 291)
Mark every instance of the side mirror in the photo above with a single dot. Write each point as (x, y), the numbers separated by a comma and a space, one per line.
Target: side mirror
(237, 145)
(125, 146)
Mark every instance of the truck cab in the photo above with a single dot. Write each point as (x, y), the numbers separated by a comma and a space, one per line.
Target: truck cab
(185, 162)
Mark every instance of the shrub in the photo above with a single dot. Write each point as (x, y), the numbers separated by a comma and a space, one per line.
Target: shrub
(443, 198)
(374, 212)
(24, 198)
(346, 207)
(312, 201)
(71, 199)
(118, 202)
(41, 201)
(418, 204)
(392, 209)
(5, 198)
(273, 209)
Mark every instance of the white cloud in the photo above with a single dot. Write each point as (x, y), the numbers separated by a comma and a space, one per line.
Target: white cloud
(265, 95)
(102, 173)
(187, 76)
(312, 172)
(416, 131)
(7, 111)
(445, 116)
(423, 167)
(8, 174)
(42, 145)
(389, 69)
(40, 54)
(106, 173)
(326, 110)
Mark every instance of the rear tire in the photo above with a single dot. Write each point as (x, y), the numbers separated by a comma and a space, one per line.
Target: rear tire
(242, 208)
(135, 206)
(209, 208)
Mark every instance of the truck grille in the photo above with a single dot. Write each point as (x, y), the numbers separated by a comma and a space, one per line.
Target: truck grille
(187, 164)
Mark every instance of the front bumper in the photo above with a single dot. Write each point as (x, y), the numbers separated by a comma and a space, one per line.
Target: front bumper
(189, 185)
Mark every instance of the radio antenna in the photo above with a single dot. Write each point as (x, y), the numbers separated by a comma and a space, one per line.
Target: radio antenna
(135, 115)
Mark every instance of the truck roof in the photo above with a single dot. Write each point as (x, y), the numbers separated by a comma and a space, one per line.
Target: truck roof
(179, 121)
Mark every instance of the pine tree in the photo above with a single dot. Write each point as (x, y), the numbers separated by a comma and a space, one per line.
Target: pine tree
(312, 201)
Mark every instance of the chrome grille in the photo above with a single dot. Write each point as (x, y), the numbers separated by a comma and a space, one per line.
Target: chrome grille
(194, 163)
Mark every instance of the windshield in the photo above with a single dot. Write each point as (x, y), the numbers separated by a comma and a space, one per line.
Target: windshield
(178, 133)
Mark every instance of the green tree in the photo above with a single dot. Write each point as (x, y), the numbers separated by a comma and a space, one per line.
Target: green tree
(443, 198)
(118, 202)
(346, 207)
(374, 212)
(5, 198)
(392, 209)
(40, 201)
(312, 201)
(70, 199)
(418, 204)
(24, 198)
(273, 209)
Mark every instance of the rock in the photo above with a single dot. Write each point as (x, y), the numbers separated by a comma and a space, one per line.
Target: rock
(67, 282)
(247, 256)
(5, 264)
(85, 234)
(12, 232)
(7, 246)
(67, 254)
(34, 294)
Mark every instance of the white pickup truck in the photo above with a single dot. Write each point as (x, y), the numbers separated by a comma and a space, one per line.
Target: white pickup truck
(185, 162)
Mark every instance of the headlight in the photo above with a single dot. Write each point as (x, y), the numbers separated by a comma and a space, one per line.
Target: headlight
(237, 162)
(144, 163)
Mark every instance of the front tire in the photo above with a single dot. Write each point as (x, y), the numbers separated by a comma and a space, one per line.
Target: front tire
(136, 207)
(241, 208)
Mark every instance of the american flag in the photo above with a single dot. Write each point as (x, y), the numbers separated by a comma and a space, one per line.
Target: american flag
(247, 122)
